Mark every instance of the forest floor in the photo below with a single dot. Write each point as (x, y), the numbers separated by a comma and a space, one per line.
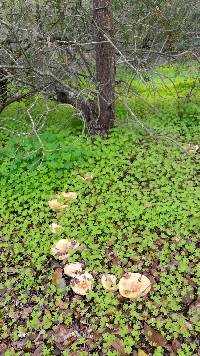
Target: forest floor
(137, 210)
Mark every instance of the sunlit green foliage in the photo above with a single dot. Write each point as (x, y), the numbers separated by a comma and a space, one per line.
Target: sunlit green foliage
(139, 214)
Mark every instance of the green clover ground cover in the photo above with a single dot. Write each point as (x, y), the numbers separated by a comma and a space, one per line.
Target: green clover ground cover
(140, 213)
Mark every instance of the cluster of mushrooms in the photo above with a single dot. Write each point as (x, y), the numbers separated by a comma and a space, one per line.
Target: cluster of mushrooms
(131, 285)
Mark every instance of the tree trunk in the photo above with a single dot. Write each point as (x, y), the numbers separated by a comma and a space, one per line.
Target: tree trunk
(3, 88)
(105, 66)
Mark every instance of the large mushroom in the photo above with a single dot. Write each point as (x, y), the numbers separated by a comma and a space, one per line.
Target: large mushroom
(62, 248)
(82, 284)
(109, 282)
(133, 285)
(72, 269)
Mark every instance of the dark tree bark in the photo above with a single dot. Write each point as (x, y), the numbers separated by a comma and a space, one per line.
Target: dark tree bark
(99, 113)
(3, 88)
(105, 66)
(86, 106)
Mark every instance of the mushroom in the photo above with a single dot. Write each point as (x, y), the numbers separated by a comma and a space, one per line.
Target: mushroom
(82, 284)
(88, 177)
(62, 248)
(109, 282)
(72, 269)
(54, 204)
(68, 196)
(133, 285)
(55, 228)
(191, 148)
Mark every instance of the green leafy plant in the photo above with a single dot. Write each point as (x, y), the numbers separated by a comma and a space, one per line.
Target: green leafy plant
(138, 214)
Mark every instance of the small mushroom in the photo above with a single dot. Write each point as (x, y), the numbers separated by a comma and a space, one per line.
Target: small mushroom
(191, 148)
(82, 284)
(55, 228)
(133, 285)
(88, 177)
(62, 248)
(109, 282)
(68, 196)
(54, 204)
(72, 269)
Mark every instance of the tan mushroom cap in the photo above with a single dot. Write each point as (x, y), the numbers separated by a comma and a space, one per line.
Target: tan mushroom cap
(54, 204)
(109, 282)
(82, 284)
(62, 248)
(68, 196)
(133, 285)
(72, 269)
(88, 177)
(191, 148)
(55, 228)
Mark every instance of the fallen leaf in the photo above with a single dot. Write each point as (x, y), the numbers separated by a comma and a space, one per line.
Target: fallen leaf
(97, 206)
(118, 346)
(64, 336)
(61, 305)
(115, 261)
(176, 344)
(21, 344)
(142, 353)
(186, 325)
(132, 158)
(188, 297)
(38, 351)
(3, 348)
(195, 307)
(10, 351)
(63, 332)
(154, 336)
(25, 312)
(57, 279)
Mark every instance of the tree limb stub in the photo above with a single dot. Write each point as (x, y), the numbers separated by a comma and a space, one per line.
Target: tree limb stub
(86, 106)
